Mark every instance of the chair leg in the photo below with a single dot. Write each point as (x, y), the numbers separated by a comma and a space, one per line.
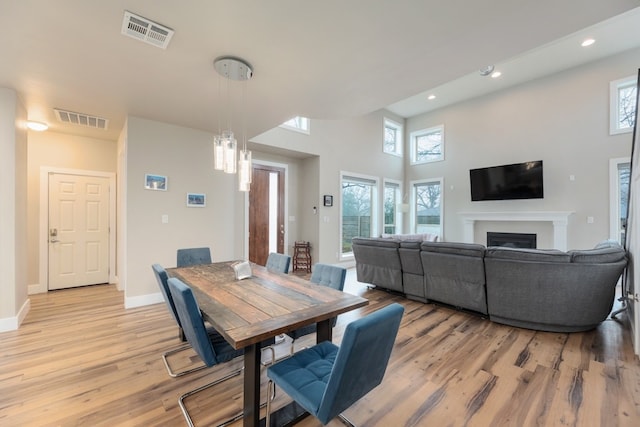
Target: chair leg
(345, 421)
(178, 374)
(199, 389)
(270, 385)
(241, 415)
(206, 386)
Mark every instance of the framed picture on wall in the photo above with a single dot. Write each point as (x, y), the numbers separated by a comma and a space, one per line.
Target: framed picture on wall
(196, 200)
(328, 200)
(155, 182)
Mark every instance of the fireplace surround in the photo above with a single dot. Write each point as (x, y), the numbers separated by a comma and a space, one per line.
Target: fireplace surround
(559, 219)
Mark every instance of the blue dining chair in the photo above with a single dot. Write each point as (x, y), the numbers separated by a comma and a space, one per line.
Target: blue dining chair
(278, 263)
(326, 379)
(193, 256)
(211, 351)
(332, 276)
(162, 278)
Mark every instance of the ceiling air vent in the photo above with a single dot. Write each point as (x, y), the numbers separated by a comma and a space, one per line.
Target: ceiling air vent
(145, 30)
(81, 119)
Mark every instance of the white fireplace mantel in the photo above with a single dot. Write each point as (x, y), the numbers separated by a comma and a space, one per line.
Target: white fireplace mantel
(560, 221)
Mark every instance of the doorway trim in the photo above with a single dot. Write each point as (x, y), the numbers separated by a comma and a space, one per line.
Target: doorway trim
(284, 166)
(43, 229)
(614, 192)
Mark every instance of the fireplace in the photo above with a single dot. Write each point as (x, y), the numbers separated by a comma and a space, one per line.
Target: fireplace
(512, 240)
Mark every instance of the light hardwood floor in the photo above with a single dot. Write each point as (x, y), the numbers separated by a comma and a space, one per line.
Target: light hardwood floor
(81, 359)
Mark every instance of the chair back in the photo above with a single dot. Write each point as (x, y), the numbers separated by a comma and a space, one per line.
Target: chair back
(161, 277)
(193, 256)
(191, 320)
(361, 361)
(329, 275)
(278, 263)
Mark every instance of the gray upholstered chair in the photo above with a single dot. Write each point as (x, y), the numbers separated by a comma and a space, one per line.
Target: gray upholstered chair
(326, 275)
(211, 351)
(278, 263)
(193, 256)
(326, 379)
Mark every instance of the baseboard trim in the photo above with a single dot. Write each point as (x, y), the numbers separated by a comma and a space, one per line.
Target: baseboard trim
(142, 300)
(13, 323)
(36, 288)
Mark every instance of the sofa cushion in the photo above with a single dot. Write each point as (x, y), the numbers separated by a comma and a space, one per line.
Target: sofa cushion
(454, 248)
(372, 241)
(426, 237)
(598, 256)
(521, 254)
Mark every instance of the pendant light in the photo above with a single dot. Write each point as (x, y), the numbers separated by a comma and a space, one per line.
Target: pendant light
(225, 146)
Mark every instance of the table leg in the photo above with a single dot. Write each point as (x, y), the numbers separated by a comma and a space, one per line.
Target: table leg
(324, 331)
(251, 386)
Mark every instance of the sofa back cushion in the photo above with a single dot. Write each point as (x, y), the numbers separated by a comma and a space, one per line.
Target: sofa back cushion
(410, 257)
(533, 255)
(454, 248)
(604, 252)
(454, 274)
(378, 262)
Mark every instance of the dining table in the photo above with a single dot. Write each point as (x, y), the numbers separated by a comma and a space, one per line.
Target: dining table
(259, 307)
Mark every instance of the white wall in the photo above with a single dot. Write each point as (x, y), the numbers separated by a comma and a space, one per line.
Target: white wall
(562, 119)
(185, 157)
(14, 303)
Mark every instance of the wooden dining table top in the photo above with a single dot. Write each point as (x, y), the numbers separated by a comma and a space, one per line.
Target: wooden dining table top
(262, 306)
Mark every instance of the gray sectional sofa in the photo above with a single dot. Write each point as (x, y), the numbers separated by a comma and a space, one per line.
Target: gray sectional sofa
(547, 290)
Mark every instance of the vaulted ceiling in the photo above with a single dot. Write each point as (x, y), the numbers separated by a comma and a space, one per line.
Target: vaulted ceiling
(328, 59)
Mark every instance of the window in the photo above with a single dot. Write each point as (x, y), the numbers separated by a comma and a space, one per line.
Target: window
(359, 204)
(622, 105)
(392, 201)
(427, 145)
(427, 206)
(298, 123)
(393, 137)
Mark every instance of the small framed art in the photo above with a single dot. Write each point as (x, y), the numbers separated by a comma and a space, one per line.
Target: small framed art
(196, 200)
(328, 200)
(155, 182)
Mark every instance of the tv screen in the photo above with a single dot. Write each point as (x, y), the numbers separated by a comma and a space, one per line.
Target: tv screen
(507, 182)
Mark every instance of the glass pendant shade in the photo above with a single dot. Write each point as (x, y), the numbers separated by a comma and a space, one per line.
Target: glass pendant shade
(230, 152)
(244, 170)
(218, 153)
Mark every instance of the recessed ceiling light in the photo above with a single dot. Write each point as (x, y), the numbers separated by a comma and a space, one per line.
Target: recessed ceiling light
(431, 97)
(485, 71)
(496, 74)
(37, 126)
(587, 42)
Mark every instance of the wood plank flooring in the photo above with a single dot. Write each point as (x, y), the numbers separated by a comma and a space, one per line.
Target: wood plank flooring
(81, 359)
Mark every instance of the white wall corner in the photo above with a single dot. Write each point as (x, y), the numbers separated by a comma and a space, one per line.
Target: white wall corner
(142, 300)
(13, 323)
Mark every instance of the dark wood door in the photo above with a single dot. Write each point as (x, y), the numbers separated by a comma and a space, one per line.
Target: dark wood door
(264, 177)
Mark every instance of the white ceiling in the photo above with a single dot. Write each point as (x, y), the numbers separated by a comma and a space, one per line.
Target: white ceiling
(329, 59)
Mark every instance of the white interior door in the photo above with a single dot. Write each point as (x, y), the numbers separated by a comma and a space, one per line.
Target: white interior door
(78, 230)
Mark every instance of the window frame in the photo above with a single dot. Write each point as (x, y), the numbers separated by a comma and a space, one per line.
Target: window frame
(414, 205)
(399, 142)
(414, 145)
(397, 205)
(305, 130)
(375, 207)
(614, 104)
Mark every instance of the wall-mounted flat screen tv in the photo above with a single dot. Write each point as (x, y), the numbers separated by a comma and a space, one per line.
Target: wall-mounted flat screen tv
(507, 182)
